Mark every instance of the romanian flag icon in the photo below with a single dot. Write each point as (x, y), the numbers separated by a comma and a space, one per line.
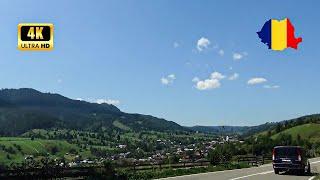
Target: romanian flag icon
(279, 35)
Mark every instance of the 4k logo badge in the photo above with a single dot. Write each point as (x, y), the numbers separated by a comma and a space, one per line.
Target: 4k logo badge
(35, 36)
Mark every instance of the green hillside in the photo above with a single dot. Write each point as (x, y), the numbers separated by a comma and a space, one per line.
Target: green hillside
(22, 110)
(310, 131)
(270, 129)
(15, 149)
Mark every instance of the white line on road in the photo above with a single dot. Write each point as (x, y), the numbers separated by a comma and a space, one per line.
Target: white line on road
(266, 172)
(265, 165)
(314, 162)
(199, 174)
(311, 178)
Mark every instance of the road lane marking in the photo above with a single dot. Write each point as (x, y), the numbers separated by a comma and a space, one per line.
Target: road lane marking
(268, 172)
(262, 173)
(214, 172)
(207, 173)
(314, 162)
(225, 171)
(311, 178)
(265, 165)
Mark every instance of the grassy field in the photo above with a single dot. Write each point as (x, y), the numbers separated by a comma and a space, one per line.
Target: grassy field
(16, 149)
(120, 125)
(306, 131)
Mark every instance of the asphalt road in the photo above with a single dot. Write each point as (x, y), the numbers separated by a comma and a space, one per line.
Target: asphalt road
(264, 172)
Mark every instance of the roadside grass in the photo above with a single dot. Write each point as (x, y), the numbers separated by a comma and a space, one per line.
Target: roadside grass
(171, 172)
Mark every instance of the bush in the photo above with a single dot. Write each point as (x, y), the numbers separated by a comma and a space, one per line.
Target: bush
(54, 150)
(73, 151)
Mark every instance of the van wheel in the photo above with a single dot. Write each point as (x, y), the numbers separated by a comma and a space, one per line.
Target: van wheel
(309, 169)
(300, 172)
(276, 171)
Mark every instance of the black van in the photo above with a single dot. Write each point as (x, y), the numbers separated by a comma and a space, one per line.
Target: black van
(285, 158)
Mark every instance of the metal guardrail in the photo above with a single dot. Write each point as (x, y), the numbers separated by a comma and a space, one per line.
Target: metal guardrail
(163, 165)
(254, 160)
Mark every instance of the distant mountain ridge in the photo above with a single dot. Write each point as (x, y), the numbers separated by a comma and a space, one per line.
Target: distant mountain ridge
(25, 109)
(227, 130)
(246, 131)
(221, 129)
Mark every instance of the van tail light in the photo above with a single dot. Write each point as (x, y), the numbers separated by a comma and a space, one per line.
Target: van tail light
(273, 154)
(299, 154)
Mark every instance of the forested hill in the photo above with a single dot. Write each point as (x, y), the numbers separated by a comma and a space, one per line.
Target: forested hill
(222, 130)
(306, 122)
(25, 109)
(247, 131)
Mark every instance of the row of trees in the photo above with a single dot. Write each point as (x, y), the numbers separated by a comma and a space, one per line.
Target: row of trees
(260, 146)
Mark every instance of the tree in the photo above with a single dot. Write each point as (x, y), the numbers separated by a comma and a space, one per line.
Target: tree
(278, 128)
(73, 151)
(299, 141)
(215, 156)
(54, 150)
(284, 139)
(174, 159)
(269, 133)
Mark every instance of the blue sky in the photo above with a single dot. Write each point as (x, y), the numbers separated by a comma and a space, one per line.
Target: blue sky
(143, 56)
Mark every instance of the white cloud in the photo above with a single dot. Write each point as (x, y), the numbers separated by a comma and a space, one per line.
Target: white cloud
(108, 101)
(257, 80)
(238, 56)
(233, 76)
(164, 81)
(195, 79)
(212, 82)
(203, 43)
(176, 44)
(59, 81)
(172, 76)
(208, 84)
(221, 52)
(168, 80)
(100, 101)
(216, 75)
(271, 86)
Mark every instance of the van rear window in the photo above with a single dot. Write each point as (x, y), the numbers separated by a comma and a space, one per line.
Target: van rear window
(286, 151)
